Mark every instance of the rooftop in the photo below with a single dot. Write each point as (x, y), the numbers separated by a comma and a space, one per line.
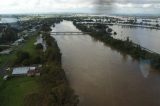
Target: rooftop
(22, 70)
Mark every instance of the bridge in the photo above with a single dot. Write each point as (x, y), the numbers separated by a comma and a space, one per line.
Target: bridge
(83, 33)
(69, 33)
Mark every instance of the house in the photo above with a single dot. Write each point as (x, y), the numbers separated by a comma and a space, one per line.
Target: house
(25, 71)
(19, 71)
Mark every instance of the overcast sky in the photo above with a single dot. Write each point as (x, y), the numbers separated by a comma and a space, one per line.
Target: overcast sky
(83, 6)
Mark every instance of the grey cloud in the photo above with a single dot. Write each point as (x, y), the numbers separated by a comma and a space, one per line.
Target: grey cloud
(107, 6)
(127, 1)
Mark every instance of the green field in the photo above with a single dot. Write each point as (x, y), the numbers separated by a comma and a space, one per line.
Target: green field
(27, 46)
(13, 91)
(6, 58)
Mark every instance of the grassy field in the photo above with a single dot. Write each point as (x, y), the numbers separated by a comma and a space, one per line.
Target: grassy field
(13, 91)
(3, 59)
(6, 58)
(27, 46)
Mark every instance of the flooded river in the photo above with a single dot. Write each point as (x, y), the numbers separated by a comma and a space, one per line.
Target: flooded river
(8, 20)
(102, 76)
(148, 38)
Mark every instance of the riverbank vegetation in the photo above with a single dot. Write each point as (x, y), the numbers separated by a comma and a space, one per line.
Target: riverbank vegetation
(51, 88)
(14, 90)
(28, 54)
(54, 82)
(99, 32)
(55, 90)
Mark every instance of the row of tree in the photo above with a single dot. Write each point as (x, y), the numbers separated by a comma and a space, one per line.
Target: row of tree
(55, 90)
(127, 47)
(8, 34)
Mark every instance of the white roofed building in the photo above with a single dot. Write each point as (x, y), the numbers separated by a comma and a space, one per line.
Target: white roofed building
(19, 71)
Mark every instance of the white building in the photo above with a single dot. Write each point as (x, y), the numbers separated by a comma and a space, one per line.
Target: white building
(19, 71)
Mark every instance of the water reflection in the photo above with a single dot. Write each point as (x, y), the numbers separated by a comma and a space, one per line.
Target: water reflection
(8, 20)
(145, 67)
(41, 41)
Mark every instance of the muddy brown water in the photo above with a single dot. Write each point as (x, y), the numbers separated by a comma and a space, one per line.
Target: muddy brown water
(102, 76)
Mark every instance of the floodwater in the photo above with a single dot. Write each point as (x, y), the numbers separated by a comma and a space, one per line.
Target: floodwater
(41, 41)
(8, 20)
(102, 76)
(148, 38)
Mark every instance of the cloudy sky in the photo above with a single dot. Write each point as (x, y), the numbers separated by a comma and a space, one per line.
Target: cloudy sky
(83, 6)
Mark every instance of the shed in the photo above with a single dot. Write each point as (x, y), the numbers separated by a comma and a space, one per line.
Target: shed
(18, 71)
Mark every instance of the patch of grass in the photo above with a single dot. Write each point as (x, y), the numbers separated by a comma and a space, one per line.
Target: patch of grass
(29, 45)
(3, 59)
(6, 58)
(13, 91)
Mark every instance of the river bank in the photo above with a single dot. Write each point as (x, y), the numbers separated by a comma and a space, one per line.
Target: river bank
(49, 89)
(102, 75)
(125, 46)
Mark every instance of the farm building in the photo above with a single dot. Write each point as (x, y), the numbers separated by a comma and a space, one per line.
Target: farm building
(25, 71)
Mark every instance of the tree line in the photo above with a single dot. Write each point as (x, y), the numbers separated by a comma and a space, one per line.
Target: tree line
(55, 89)
(128, 47)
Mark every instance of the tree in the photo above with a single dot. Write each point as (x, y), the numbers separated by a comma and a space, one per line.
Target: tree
(22, 56)
(8, 35)
(100, 26)
(39, 46)
(157, 25)
(110, 30)
(37, 60)
(115, 33)
(62, 95)
(46, 28)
